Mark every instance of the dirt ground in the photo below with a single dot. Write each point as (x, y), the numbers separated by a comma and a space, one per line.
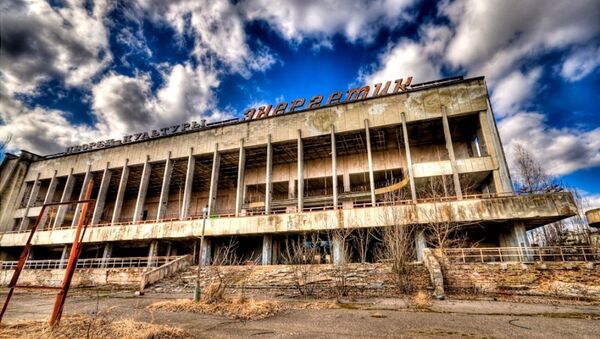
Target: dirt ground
(364, 318)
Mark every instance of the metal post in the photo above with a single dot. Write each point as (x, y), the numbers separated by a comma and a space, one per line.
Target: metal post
(370, 161)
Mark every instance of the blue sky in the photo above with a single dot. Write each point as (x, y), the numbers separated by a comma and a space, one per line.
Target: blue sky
(73, 72)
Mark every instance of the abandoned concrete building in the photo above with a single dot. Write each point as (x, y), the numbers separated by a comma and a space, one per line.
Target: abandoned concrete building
(370, 163)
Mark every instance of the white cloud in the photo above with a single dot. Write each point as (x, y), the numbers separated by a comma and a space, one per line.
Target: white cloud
(580, 63)
(320, 19)
(493, 37)
(40, 42)
(218, 30)
(511, 92)
(411, 58)
(560, 151)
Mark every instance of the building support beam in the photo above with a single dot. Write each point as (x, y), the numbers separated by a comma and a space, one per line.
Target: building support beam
(164, 190)
(267, 250)
(239, 194)
(101, 199)
(420, 243)
(142, 192)
(152, 254)
(214, 182)
(86, 179)
(338, 251)
(300, 191)
(490, 149)
(48, 199)
(450, 148)
(35, 189)
(187, 191)
(269, 176)
(370, 161)
(66, 196)
(334, 181)
(64, 257)
(206, 256)
(411, 176)
(120, 193)
(106, 254)
(491, 130)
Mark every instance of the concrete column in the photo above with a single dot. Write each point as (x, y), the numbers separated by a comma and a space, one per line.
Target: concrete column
(120, 193)
(494, 139)
(450, 147)
(291, 188)
(300, 191)
(267, 249)
(346, 181)
(487, 140)
(86, 181)
(411, 177)
(334, 182)
(66, 196)
(239, 195)
(206, 251)
(337, 251)
(164, 191)
(214, 181)
(153, 253)
(420, 243)
(35, 188)
(48, 199)
(142, 192)
(269, 176)
(101, 199)
(64, 257)
(515, 236)
(370, 161)
(107, 253)
(187, 191)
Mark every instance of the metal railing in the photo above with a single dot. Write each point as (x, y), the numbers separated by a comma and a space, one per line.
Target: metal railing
(126, 262)
(521, 254)
(280, 210)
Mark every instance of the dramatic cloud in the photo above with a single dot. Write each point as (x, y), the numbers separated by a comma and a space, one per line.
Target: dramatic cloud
(356, 19)
(408, 57)
(40, 42)
(580, 63)
(561, 151)
(511, 92)
(123, 104)
(218, 31)
(493, 37)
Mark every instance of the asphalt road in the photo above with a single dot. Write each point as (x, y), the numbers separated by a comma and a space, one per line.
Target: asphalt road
(378, 318)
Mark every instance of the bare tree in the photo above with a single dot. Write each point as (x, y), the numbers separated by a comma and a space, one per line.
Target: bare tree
(4, 145)
(303, 253)
(227, 277)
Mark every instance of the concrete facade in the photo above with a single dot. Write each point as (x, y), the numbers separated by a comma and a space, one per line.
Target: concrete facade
(358, 164)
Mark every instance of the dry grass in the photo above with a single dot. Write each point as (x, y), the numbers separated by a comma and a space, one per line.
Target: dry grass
(421, 300)
(86, 327)
(236, 308)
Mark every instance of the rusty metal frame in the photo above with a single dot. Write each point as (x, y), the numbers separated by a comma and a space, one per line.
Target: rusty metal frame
(72, 264)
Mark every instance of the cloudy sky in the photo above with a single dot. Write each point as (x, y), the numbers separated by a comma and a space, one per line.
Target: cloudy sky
(78, 71)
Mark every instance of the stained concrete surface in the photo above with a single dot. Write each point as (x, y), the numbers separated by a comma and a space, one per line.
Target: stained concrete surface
(380, 317)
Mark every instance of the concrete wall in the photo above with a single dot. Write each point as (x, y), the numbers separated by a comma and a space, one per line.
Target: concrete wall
(553, 279)
(82, 277)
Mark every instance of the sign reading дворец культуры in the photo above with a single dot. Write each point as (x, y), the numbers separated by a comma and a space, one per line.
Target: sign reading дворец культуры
(354, 94)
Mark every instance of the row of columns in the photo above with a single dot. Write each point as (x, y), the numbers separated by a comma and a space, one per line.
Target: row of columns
(184, 213)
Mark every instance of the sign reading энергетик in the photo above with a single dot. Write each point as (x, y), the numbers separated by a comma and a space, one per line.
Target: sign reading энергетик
(354, 94)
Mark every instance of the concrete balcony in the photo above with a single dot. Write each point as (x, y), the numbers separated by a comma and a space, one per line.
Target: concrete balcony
(533, 210)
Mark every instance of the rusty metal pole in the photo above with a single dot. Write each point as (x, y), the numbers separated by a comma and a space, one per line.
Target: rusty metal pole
(73, 258)
(21, 263)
